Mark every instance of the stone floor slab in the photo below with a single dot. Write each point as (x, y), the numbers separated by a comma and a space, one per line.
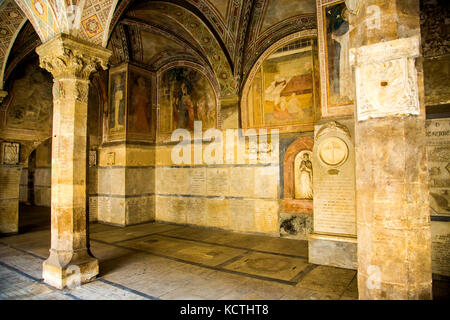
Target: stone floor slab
(268, 265)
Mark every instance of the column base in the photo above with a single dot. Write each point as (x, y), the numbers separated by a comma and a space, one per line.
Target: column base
(69, 269)
(333, 250)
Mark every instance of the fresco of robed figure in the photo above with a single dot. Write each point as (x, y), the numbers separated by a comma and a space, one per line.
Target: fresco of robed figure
(139, 110)
(117, 105)
(340, 83)
(187, 97)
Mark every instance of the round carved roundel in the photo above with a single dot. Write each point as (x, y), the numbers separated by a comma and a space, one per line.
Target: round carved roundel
(333, 151)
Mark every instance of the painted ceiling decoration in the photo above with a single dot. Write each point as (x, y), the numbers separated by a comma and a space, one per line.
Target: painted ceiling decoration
(86, 19)
(162, 34)
(11, 21)
(173, 19)
(26, 42)
(272, 20)
(227, 36)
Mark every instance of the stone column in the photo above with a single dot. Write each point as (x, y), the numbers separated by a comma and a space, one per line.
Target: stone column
(71, 62)
(393, 218)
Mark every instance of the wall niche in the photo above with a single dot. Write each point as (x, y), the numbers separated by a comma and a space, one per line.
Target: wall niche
(297, 204)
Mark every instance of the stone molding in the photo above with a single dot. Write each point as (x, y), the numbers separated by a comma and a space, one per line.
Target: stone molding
(332, 126)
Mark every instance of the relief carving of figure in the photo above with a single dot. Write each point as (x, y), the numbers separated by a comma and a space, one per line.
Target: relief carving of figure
(303, 177)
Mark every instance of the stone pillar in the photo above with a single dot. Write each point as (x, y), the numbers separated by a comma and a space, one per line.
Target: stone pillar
(393, 218)
(71, 62)
(126, 174)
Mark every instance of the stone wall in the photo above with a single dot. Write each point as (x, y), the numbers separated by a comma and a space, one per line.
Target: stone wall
(239, 196)
(42, 175)
(126, 183)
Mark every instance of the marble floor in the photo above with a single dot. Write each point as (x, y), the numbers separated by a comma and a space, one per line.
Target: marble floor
(165, 261)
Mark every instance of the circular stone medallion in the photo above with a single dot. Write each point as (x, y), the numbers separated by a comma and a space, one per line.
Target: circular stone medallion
(333, 151)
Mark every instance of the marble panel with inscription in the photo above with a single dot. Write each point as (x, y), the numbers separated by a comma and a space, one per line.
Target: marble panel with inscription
(440, 247)
(334, 179)
(267, 182)
(197, 181)
(242, 181)
(171, 209)
(438, 154)
(266, 216)
(196, 211)
(218, 181)
(242, 215)
(217, 214)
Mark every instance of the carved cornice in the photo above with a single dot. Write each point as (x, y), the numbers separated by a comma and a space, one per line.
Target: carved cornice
(70, 58)
(332, 126)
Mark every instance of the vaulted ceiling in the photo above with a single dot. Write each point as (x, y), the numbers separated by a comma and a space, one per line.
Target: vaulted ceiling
(226, 36)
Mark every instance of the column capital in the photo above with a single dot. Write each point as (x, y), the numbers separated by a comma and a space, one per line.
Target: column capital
(68, 57)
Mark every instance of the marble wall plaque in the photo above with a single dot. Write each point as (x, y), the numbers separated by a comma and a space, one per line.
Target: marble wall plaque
(218, 181)
(438, 153)
(440, 247)
(242, 182)
(197, 181)
(9, 182)
(334, 179)
(10, 153)
(111, 158)
(92, 158)
(386, 78)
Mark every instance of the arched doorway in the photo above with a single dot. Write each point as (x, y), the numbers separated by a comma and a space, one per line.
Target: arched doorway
(35, 189)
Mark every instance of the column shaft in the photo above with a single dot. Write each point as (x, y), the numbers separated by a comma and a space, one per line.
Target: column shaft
(71, 62)
(393, 218)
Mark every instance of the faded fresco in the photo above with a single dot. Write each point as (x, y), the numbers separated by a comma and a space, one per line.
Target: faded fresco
(139, 107)
(282, 91)
(117, 103)
(337, 44)
(280, 10)
(31, 100)
(186, 96)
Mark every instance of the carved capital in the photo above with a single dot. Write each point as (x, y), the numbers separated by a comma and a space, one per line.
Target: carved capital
(67, 57)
